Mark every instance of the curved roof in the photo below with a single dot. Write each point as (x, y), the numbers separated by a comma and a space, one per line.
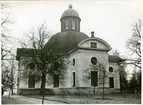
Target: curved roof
(70, 12)
(96, 38)
(63, 42)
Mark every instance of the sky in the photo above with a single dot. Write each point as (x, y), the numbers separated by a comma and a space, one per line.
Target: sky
(111, 20)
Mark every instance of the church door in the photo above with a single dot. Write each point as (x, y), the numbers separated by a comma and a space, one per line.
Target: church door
(94, 78)
(56, 80)
(31, 81)
(111, 82)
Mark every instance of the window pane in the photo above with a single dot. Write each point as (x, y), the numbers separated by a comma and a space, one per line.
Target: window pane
(66, 24)
(73, 79)
(73, 24)
(110, 69)
(94, 60)
(93, 45)
(73, 61)
(77, 26)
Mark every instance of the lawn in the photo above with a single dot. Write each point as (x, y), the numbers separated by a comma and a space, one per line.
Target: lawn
(94, 99)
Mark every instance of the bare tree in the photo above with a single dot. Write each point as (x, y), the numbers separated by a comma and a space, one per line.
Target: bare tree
(135, 82)
(7, 42)
(123, 77)
(46, 61)
(7, 46)
(134, 46)
(9, 69)
(121, 69)
(101, 73)
(114, 52)
(36, 38)
(5, 19)
(13, 76)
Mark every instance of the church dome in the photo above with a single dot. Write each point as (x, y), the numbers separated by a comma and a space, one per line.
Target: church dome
(70, 12)
(63, 42)
(70, 35)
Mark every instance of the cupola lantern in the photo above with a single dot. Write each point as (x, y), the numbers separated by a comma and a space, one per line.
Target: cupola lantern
(70, 20)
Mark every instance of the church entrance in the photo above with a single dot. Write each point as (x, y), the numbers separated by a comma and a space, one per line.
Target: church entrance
(94, 78)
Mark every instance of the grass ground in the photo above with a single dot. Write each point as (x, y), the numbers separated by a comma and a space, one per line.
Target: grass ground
(94, 99)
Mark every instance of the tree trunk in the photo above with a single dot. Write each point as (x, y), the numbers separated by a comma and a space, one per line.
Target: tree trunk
(9, 94)
(12, 78)
(94, 90)
(103, 83)
(43, 99)
(103, 90)
(43, 82)
(12, 90)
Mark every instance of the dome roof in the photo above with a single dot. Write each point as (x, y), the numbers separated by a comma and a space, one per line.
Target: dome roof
(70, 12)
(63, 42)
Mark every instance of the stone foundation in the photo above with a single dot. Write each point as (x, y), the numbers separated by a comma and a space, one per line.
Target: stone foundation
(67, 91)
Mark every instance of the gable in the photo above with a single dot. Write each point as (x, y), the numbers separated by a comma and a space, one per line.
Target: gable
(95, 43)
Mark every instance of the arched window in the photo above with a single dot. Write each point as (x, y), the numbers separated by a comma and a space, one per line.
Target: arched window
(77, 26)
(73, 24)
(111, 69)
(73, 61)
(66, 25)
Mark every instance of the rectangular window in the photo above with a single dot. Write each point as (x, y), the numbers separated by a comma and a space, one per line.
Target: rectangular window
(56, 80)
(73, 79)
(94, 78)
(31, 81)
(93, 45)
(111, 82)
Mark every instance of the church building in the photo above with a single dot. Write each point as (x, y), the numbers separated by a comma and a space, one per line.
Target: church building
(84, 53)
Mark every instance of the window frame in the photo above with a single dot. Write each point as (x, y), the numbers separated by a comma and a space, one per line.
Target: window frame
(77, 25)
(73, 74)
(93, 62)
(73, 62)
(110, 69)
(73, 24)
(66, 24)
(91, 44)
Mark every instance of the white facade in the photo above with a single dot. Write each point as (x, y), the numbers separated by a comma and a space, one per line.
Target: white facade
(82, 65)
(80, 49)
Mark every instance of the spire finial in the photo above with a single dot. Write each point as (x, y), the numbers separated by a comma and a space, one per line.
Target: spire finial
(70, 6)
